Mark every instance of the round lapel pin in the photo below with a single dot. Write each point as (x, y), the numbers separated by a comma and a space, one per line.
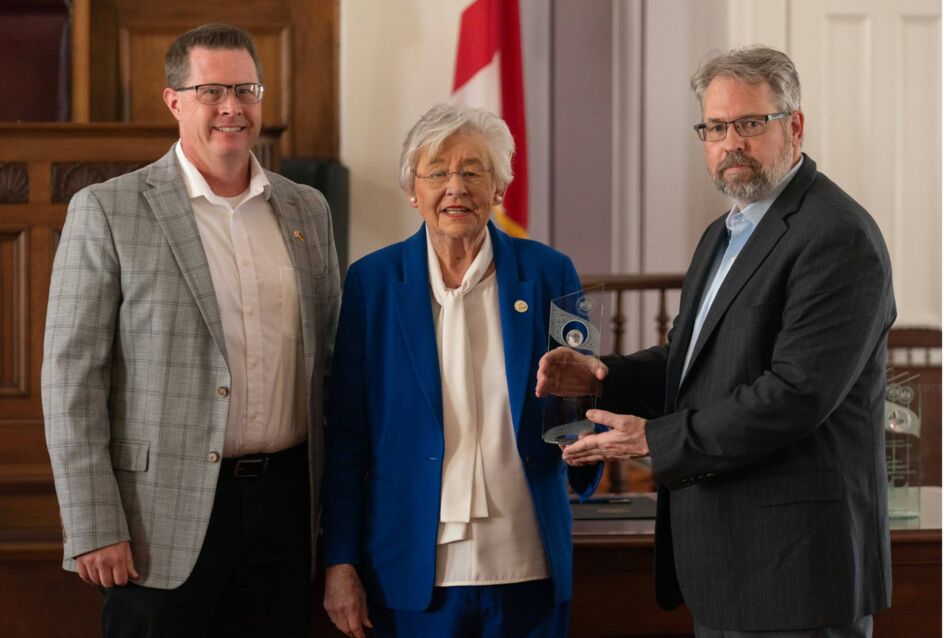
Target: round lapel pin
(521, 305)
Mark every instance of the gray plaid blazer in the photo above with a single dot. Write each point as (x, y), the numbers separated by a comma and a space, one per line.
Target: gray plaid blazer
(135, 358)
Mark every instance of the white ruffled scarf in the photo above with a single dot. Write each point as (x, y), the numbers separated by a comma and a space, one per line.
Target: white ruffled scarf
(463, 496)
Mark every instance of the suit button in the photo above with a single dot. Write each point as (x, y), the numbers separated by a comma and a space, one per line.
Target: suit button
(213, 457)
(528, 461)
(223, 391)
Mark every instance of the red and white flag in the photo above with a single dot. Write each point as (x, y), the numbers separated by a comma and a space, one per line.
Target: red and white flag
(489, 75)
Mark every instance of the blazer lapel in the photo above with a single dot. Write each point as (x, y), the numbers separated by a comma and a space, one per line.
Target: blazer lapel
(415, 314)
(517, 326)
(761, 243)
(171, 206)
(697, 278)
(286, 211)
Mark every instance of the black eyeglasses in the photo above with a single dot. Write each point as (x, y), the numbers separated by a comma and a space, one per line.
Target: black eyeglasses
(246, 93)
(749, 126)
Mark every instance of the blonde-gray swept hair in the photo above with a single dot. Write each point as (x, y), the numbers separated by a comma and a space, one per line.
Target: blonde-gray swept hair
(752, 65)
(443, 121)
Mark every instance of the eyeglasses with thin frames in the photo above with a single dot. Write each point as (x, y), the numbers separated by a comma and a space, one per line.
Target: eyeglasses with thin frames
(246, 92)
(438, 179)
(748, 126)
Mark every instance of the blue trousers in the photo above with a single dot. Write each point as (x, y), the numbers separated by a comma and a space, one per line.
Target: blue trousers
(519, 610)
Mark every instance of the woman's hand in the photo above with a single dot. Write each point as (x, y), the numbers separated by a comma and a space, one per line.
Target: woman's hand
(345, 600)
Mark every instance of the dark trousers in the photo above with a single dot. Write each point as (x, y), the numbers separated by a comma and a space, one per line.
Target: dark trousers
(252, 577)
(518, 610)
(862, 628)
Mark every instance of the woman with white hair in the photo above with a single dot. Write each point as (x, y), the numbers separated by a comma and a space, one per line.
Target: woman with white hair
(445, 513)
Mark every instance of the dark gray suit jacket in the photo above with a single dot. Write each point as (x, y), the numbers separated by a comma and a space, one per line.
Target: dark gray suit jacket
(770, 455)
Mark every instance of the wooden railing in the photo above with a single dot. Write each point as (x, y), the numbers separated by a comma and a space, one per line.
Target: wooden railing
(660, 283)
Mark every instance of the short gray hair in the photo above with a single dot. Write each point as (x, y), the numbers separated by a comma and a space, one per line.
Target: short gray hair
(752, 65)
(444, 120)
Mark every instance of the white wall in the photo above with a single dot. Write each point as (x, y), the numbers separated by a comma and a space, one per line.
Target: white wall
(397, 60)
(871, 76)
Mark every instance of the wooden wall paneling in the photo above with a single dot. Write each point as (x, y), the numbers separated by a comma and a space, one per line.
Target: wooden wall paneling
(43, 600)
(614, 594)
(297, 42)
(141, 63)
(24, 465)
(80, 34)
(14, 310)
(14, 183)
(27, 504)
(916, 586)
(104, 84)
(34, 56)
(316, 121)
(40, 183)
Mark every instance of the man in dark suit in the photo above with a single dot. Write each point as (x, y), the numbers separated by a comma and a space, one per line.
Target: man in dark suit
(763, 416)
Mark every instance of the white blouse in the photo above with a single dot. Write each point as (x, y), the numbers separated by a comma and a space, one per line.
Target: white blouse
(505, 546)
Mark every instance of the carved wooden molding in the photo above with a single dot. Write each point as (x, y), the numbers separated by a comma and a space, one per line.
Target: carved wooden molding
(68, 178)
(14, 183)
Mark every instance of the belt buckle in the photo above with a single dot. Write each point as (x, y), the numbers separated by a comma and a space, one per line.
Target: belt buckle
(251, 468)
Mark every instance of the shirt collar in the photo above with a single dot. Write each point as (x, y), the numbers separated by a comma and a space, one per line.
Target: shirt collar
(197, 185)
(755, 211)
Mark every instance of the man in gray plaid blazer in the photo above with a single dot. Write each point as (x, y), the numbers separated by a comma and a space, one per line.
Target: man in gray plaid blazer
(190, 323)
(764, 414)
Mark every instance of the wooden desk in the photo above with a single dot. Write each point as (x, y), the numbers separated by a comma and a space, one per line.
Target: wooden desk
(613, 591)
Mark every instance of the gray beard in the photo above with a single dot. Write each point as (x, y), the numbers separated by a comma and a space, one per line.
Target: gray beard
(759, 185)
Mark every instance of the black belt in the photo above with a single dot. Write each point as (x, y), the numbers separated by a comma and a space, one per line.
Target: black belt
(256, 465)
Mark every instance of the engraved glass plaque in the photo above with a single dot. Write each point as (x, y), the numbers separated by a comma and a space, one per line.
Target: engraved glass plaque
(575, 321)
(903, 444)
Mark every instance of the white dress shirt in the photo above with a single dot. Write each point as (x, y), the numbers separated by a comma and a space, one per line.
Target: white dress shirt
(506, 545)
(257, 295)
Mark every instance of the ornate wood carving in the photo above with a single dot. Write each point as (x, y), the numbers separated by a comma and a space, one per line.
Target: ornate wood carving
(68, 178)
(14, 183)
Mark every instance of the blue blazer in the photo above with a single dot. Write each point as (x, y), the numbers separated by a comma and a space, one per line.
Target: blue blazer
(385, 424)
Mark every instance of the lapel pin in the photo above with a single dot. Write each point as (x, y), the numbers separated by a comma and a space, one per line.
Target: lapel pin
(521, 305)
(297, 234)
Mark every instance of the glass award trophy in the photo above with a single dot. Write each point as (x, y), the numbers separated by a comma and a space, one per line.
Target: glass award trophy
(574, 323)
(903, 444)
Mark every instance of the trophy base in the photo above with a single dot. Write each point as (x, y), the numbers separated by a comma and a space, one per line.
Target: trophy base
(567, 433)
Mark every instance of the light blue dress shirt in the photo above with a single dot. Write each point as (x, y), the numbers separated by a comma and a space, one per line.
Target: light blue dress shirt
(740, 224)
